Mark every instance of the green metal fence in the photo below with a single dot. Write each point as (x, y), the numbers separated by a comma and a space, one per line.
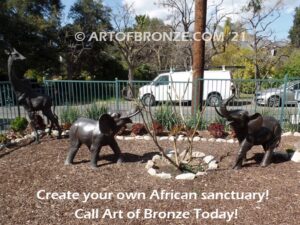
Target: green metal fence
(274, 97)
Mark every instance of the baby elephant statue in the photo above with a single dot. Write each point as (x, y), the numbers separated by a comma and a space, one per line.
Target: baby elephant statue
(252, 130)
(95, 134)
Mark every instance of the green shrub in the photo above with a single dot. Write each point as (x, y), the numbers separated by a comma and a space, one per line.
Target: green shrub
(192, 122)
(167, 117)
(3, 139)
(69, 115)
(19, 124)
(34, 74)
(94, 111)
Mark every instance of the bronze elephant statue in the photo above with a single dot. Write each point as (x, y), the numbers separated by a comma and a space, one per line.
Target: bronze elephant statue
(95, 134)
(252, 130)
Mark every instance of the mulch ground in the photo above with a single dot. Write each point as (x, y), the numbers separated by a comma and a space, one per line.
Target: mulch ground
(26, 170)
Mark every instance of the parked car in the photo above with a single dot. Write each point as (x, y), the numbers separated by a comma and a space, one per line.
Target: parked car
(273, 97)
(175, 86)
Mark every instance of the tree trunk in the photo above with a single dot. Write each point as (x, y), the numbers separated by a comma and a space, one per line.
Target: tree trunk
(199, 55)
(130, 90)
(70, 69)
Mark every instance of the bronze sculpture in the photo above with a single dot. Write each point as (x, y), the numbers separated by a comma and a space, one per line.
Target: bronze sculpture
(95, 134)
(252, 130)
(27, 97)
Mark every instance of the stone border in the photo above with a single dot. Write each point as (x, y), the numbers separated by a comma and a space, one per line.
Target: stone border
(32, 135)
(210, 160)
(195, 139)
(148, 138)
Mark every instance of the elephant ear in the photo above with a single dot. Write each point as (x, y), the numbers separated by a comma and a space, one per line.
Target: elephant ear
(107, 124)
(255, 123)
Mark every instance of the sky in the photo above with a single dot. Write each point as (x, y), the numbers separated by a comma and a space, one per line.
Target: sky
(280, 27)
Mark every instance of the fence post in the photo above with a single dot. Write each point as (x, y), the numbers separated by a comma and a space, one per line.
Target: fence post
(283, 100)
(117, 94)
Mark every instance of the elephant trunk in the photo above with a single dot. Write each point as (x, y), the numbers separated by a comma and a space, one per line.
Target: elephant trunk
(137, 110)
(223, 108)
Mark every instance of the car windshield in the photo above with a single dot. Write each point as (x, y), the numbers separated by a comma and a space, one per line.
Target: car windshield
(161, 80)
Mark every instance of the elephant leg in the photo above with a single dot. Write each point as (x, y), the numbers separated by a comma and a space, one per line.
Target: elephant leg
(267, 157)
(95, 150)
(75, 145)
(31, 116)
(116, 149)
(245, 146)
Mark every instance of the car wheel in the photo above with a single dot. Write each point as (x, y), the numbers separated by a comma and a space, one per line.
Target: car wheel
(148, 100)
(214, 99)
(274, 101)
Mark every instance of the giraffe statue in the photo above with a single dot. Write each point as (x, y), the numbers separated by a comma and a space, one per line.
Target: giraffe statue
(27, 97)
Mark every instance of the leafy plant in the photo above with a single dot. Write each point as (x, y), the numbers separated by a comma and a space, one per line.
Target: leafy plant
(94, 111)
(192, 168)
(139, 129)
(69, 115)
(157, 128)
(3, 139)
(19, 124)
(216, 130)
(192, 122)
(166, 116)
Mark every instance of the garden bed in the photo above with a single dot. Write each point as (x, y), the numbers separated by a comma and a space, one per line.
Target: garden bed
(26, 170)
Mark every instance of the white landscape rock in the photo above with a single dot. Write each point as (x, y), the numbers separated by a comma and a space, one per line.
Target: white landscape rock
(204, 139)
(171, 138)
(164, 175)
(128, 138)
(213, 165)
(186, 176)
(170, 151)
(118, 137)
(297, 134)
(149, 164)
(138, 137)
(287, 134)
(151, 171)
(28, 136)
(208, 159)
(17, 140)
(230, 141)
(155, 158)
(196, 139)
(201, 174)
(212, 140)
(220, 140)
(147, 138)
(54, 133)
(65, 133)
(170, 155)
(296, 157)
(198, 154)
(165, 138)
(180, 138)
